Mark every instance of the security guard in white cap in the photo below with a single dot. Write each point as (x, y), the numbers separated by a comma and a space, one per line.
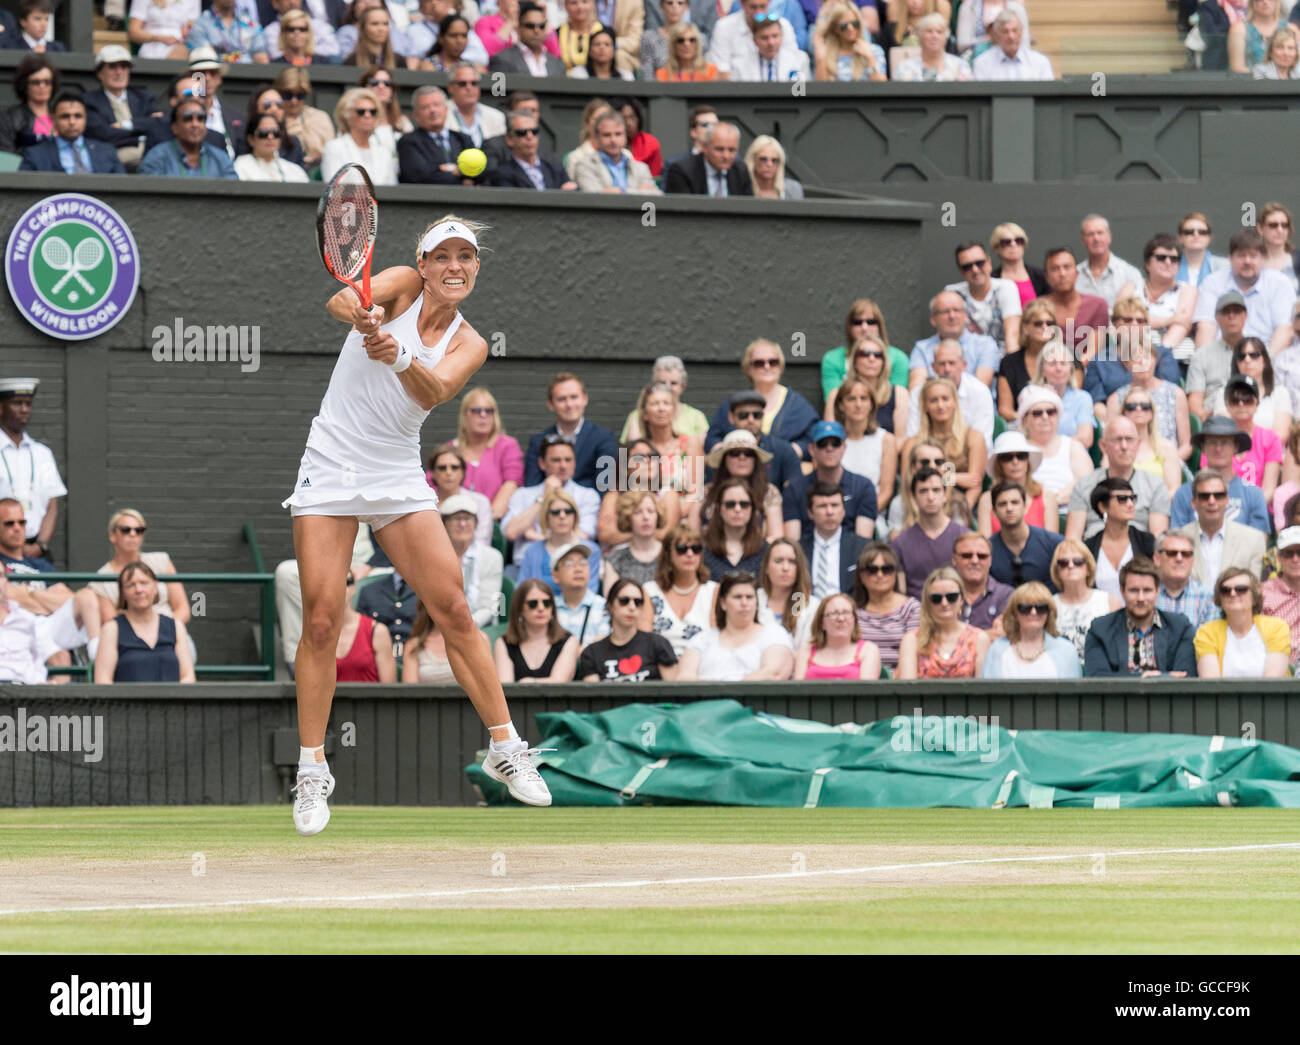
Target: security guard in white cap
(27, 469)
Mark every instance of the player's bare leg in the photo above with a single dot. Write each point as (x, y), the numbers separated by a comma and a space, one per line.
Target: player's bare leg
(323, 545)
(420, 550)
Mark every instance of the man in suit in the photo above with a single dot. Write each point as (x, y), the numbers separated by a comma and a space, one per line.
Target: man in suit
(33, 24)
(1140, 639)
(467, 115)
(10, 36)
(595, 448)
(529, 57)
(70, 151)
(497, 148)
(118, 113)
(770, 62)
(427, 156)
(703, 119)
(733, 37)
(715, 172)
(526, 168)
(1219, 544)
(831, 550)
(611, 167)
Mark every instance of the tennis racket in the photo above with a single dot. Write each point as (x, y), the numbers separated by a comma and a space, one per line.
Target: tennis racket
(347, 222)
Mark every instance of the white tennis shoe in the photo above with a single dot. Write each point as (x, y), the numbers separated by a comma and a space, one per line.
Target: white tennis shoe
(517, 771)
(311, 811)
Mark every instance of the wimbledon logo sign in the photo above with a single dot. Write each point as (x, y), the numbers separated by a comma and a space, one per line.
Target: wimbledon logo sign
(72, 266)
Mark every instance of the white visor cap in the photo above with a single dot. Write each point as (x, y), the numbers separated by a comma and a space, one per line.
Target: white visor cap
(444, 231)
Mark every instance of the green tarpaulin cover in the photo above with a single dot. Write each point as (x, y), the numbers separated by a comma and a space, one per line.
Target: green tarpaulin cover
(719, 752)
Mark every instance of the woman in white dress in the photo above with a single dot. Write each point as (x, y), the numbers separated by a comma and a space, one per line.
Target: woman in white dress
(1078, 603)
(1064, 460)
(741, 648)
(680, 599)
(265, 163)
(408, 354)
(159, 27)
(357, 117)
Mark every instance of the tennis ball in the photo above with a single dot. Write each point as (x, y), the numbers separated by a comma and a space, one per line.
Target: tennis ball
(472, 162)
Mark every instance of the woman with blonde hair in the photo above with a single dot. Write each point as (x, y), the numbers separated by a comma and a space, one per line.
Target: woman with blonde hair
(681, 457)
(933, 64)
(766, 162)
(870, 364)
(638, 469)
(1031, 647)
(835, 648)
(681, 595)
(864, 317)
(310, 126)
(494, 463)
(558, 520)
(942, 422)
(869, 449)
(1248, 36)
(1017, 369)
(297, 39)
(843, 52)
(357, 117)
(787, 414)
(641, 514)
(1078, 601)
(1056, 371)
(686, 62)
(942, 646)
(1009, 242)
(1282, 59)
(1156, 454)
(374, 40)
(126, 529)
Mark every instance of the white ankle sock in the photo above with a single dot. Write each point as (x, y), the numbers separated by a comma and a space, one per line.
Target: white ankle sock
(311, 761)
(507, 747)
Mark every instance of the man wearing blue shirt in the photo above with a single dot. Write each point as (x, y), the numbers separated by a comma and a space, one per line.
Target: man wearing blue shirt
(1268, 294)
(1021, 553)
(187, 155)
(612, 168)
(1219, 440)
(948, 317)
(860, 505)
(70, 151)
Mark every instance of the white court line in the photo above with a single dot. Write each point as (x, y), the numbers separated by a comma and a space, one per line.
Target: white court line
(568, 887)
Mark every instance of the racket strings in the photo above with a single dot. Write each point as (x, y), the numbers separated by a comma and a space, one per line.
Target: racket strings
(349, 228)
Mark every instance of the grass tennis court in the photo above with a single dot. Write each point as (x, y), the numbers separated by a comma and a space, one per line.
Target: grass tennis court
(693, 880)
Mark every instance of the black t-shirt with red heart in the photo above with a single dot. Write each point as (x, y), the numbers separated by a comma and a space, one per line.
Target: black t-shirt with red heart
(637, 661)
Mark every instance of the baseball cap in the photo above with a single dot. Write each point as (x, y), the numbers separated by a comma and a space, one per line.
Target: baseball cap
(1232, 297)
(111, 54)
(748, 396)
(1288, 538)
(203, 58)
(569, 549)
(456, 503)
(826, 429)
(1244, 381)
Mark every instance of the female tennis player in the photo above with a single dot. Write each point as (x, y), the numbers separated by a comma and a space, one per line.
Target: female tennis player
(362, 464)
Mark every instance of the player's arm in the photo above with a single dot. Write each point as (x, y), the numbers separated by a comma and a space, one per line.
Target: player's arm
(465, 355)
(388, 290)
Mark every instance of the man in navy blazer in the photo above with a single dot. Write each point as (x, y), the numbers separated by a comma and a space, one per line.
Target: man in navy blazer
(697, 174)
(1140, 639)
(11, 38)
(113, 69)
(33, 24)
(70, 128)
(828, 539)
(427, 156)
(522, 137)
(595, 449)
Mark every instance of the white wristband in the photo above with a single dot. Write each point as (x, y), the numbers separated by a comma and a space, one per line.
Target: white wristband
(403, 360)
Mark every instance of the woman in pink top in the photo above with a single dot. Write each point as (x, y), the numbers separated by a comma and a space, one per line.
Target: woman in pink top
(1261, 465)
(494, 462)
(836, 649)
(501, 30)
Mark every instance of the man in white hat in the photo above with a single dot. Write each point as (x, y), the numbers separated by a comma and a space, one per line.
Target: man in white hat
(1282, 593)
(481, 564)
(116, 112)
(207, 85)
(27, 469)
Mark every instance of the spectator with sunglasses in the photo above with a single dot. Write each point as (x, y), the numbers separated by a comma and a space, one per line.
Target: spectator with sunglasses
(1032, 648)
(1119, 445)
(187, 154)
(578, 608)
(681, 595)
(741, 648)
(627, 653)
(1078, 602)
(1282, 593)
(885, 614)
(1251, 358)
(1216, 447)
(992, 305)
(1180, 592)
(467, 114)
(357, 117)
(1111, 368)
(734, 538)
(1014, 460)
(942, 646)
(858, 491)
(638, 471)
(864, 317)
(869, 363)
(526, 167)
(843, 51)
(739, 455)
(1219, 543)
(529, 49)
(746, 412)
(1261, 464)
(984, 597)
(311, 126)
(1056, 372)
(869, 449)
(265, 99)
(265, 162)
(787, 414)
(1142, 638)
(1139, 358)
(1244, 643)
(1170, 304)
(535, 646)
(558, 518)
(1156, 454)
(733, 35)
(1009, 242)
(365, 652)
(1020, 552)
(654, 38)
(1019, 364)
(299, 37)
(446, 474)
(1118, 541)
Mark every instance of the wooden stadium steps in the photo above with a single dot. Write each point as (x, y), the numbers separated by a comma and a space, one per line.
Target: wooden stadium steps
(1109, 36)
(105, 36)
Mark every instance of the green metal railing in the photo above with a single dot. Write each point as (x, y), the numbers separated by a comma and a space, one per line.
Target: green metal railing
(266, 609)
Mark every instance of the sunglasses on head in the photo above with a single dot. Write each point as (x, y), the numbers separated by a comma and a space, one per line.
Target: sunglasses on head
(630, 600)
(1026, 609)
(693, 549)
(938, 598)
(534, 604)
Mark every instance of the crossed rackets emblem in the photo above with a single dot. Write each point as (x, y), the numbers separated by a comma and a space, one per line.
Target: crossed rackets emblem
(56, 253)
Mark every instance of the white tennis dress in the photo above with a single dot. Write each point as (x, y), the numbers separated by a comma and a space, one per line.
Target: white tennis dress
(363, 451)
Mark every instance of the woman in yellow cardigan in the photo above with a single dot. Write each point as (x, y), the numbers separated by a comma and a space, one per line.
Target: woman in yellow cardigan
(1243, 643)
